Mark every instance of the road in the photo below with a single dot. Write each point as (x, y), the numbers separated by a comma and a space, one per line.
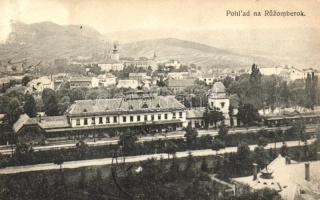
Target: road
(7, 150)
(130, 159)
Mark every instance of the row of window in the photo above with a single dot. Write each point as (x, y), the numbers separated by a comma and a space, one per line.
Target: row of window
(124, 118)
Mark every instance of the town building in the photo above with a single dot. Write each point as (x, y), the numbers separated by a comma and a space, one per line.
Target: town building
(174, 64)
(128, 83)
(107, 79)
(208, 79)
(218, 99)
(139, 76)
(178, 85)
(141, 112)
(88, 82)
(39, 84)
(195, 117)
(141, 62)
(111, 66)
(293, 180)
(113, 62)
(287, 73)
(177, 75)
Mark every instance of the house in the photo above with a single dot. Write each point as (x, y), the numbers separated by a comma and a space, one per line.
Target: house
(175, 64)
(39, 84)
(293, 180)
(178, 85)
(208, 79)
(177, 75)
(287, 73)
(128, 83)
(195, 117)
(111, 66)
(81, 81)
(107, 79)
(25, 130)
(139, 76)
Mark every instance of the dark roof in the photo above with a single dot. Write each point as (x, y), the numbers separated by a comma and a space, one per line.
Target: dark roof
(120, 105)
(54, 122)
(180, 82)
(20, 122)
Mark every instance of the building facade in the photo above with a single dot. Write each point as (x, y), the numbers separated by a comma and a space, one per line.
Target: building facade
(88, 82)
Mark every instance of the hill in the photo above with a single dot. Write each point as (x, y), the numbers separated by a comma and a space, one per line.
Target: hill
(47, 41)
(189, 52)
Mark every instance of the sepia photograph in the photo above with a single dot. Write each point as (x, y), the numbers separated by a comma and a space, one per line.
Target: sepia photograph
(159, 100)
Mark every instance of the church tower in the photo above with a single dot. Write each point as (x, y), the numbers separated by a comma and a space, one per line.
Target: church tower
(115, 54)
(218, 98)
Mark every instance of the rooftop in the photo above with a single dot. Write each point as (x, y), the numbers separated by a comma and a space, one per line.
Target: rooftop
(80, 79)
(117, 105)
(287, 179)
(180, 82)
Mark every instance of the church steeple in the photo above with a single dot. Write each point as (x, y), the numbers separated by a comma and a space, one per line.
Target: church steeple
(115, 53)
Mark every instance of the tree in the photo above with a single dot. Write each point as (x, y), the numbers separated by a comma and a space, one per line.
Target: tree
(191, 136)
(311, 90)
(14, 110)
(170, 148)
(50, 102)
(26, 80)
(24, 153)
(127, 141)
(284, 151)
(299, 129)
(261, 156)
(204, 165)
(223, 131)
(231, 113)
(82, 149)
(77, 94)
(217, 144)
(248, 114)
(58, 160)
(30, 107)
(213, 116)
(284, 93)
(63, 105)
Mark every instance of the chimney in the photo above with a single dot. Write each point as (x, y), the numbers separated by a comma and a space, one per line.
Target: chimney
(255, 171)
(39, 118)
(307, 171)
(288, 160)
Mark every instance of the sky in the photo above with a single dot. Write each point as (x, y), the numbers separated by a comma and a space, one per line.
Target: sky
(121, 15)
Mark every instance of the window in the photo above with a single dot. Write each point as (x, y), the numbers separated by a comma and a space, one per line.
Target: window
(78, 122)
(211, 104)
(107, 120)
(159, 117)
(146, 118)
(138, 118)
(222, 104)
(180, 114)
(115, 119)
(93, 120)
(124, 119)
(152, 117)
(85, 121)
(131, 118)
(166, 116)
(173, 115)
(100, 120)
